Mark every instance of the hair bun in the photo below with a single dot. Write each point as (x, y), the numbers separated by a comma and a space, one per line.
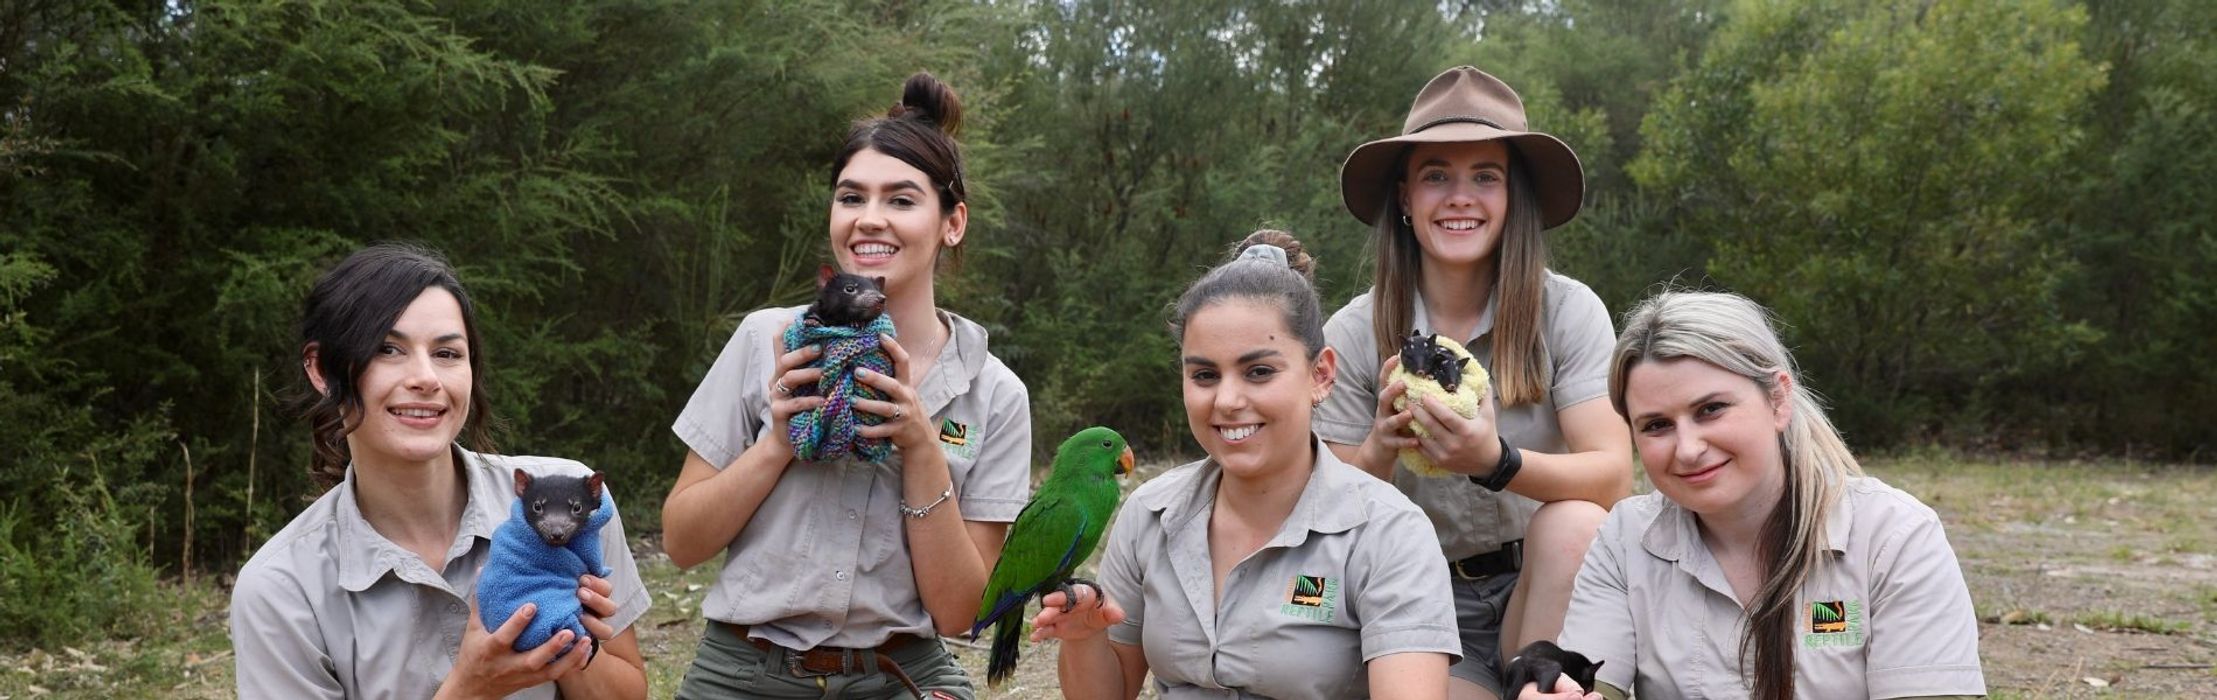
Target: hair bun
(1296, 258)
(924, 97)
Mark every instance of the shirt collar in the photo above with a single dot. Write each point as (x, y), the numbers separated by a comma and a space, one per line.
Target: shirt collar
(958, 365)
(1674, 529)
(365, 556)
(1323, 506)
(1420, 319)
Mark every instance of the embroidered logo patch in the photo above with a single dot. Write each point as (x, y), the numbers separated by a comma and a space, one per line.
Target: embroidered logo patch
(1311, 598)
(955, 440)
(1834, 623)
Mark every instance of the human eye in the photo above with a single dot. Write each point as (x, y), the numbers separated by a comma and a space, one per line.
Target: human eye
(904, 202)
(1655, 427)
(1202, 376)
(1489, 177)
(1261, 373)
(1433, 175)
(388, 349)
(1712, 408)
(848, 198)
(449, 354)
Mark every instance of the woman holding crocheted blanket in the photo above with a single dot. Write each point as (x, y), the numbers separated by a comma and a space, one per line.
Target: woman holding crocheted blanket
(840, 575)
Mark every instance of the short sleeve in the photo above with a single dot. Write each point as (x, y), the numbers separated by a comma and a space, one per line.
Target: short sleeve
(630, 592)
(999, 481)
(1121, 576)
(279, 651)
(1599, 623)
(1345, 416)
(1923, 631)
(1405, 602)
(1580, 340)
(725, 414)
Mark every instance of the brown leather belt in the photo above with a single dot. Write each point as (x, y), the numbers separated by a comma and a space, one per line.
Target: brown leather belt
(830, 661)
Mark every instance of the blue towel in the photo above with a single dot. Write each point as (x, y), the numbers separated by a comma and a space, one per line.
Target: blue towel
(523, 569)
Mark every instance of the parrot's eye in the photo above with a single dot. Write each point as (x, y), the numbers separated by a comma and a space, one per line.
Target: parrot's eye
(1105, 443)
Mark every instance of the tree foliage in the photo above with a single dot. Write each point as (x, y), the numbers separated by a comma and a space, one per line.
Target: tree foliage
(1970, 233)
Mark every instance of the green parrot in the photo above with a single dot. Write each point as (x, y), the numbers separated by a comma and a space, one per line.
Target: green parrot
(1056, 532)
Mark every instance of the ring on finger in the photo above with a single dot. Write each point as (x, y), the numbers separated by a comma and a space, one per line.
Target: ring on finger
(899, 412)
(782, 388)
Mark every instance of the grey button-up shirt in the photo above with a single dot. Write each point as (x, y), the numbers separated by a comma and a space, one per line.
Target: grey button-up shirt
(1886, 615)
(824, 561)
(329, 608)
(1350, 576)
(1578, 337)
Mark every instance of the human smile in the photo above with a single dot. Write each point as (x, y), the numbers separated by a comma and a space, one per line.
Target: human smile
(1235, 434)
(1705, 474)
(872, 252)
(418, 415)
(1458, 224)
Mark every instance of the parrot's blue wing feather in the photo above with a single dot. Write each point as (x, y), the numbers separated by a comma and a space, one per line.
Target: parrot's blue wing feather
(1018, 593)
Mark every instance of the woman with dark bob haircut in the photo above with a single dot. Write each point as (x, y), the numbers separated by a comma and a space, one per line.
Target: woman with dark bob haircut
(371, 591)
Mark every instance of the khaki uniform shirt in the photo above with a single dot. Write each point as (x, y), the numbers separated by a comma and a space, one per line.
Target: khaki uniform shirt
(824, 561)
(1895, 618)
(1350, 576)
(329, 608)
(1578, 337)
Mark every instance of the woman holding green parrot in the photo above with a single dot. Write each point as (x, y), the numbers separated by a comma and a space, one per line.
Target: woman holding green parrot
(1459, 203)
(1271, 567)
(840, 576)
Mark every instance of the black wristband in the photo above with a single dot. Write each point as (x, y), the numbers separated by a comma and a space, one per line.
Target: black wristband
(1504, 470)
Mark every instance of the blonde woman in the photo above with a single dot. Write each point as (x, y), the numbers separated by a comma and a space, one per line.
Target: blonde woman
(1460, 203)
(1764, 541)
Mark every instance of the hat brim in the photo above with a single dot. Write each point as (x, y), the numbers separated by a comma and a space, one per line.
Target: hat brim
(1367, 178)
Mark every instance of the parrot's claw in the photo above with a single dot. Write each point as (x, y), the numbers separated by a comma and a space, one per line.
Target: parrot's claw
(1069, 590)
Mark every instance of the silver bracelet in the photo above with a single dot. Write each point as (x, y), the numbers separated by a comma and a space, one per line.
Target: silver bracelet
(926, 510)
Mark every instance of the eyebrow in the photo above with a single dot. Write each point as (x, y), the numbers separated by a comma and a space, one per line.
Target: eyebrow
(1481, 165)
(448, 338)
(896, 185)
(1248, 358)
(1705, 398)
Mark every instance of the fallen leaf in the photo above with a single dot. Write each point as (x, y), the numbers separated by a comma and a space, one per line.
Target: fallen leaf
(691, 587)
(74, 652)
(2044, 627)
(2096, 682)
(2082, 628)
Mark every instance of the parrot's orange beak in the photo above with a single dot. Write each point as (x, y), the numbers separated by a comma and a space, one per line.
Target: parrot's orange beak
(1124, 462)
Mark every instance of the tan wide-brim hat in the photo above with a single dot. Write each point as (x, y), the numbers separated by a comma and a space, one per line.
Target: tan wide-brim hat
(1465, 104)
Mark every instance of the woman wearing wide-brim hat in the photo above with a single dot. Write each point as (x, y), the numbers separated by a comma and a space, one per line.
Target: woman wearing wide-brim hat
(1460, 203)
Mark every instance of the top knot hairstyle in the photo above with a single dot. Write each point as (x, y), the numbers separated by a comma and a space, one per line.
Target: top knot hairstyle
(920, 131)
(346, 317)
(1289, 286)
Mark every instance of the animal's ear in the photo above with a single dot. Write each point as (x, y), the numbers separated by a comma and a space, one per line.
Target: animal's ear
(523, 481)
(880, 280)
(823, 276)
(592, 485)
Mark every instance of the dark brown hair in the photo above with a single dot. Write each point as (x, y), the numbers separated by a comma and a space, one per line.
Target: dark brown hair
(345, 319)
(1521, 374)
(1290, 287)
(918, 130)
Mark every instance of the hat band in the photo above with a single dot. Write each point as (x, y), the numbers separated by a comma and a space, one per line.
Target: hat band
(1452, 120)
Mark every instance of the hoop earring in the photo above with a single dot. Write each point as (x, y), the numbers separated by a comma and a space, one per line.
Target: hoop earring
(1406, 222)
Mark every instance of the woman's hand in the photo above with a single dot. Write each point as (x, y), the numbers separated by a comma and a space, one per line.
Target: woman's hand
(1457, 444)
(905, 423)
(1389, 427)
(593, 592)
(1088, 618)
(488, 666)
(792, 374)
(1565, 689)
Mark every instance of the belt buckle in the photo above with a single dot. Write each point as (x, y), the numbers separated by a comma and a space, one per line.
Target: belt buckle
(796, 663)
(1457, 567)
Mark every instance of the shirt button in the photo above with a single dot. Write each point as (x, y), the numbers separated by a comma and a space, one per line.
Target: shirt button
(850, 514)
(841, 575)
(454, 608)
